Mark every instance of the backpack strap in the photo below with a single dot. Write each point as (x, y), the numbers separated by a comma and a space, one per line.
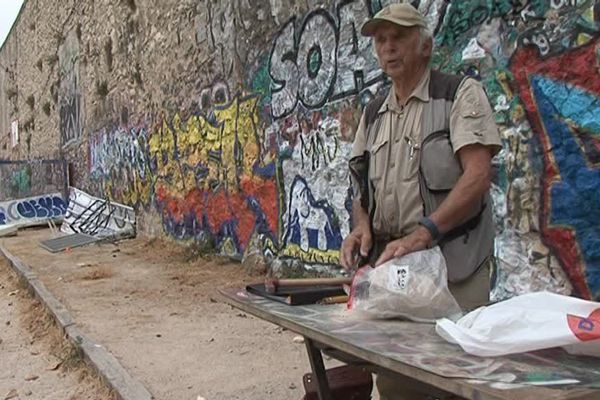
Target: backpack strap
(441, 86)
(444, 86)
(372, 110)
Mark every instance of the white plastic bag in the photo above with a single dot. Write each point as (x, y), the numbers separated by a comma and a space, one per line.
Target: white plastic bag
(528, 322)
(414, 287)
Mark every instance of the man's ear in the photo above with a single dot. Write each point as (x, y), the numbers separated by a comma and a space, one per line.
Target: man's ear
(427, 47)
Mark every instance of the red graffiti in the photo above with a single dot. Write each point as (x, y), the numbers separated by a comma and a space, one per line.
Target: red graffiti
(578, 67)
(238, 210)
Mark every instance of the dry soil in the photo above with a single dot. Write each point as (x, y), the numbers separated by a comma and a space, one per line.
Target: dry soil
(36, 361)
(157, 310)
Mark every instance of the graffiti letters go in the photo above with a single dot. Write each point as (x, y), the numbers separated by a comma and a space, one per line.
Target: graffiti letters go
(320, 59)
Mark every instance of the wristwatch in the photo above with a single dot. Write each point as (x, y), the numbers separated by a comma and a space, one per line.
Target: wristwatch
(431, 227)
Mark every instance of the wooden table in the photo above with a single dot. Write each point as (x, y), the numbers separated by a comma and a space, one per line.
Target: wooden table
(414, 350)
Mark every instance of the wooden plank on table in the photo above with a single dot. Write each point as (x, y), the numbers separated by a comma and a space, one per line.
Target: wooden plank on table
(294, 296)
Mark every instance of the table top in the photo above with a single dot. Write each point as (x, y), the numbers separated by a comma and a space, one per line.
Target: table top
(416, 350)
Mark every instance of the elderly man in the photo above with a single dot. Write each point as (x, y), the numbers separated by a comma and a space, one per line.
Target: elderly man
(421, 168)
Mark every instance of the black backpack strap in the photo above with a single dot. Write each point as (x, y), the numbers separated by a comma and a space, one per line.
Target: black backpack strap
(359, 169)
(444, 86)
(359, 165)
(372, 110)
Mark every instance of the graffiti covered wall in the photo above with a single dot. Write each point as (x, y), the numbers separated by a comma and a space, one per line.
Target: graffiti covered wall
(273, 162)
(20, 179)
(69, 93)
(226, 122)
(547, 172)
(320, 71)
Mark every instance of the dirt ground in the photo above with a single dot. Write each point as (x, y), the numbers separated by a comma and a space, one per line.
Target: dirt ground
(36, 361)
(160, 315)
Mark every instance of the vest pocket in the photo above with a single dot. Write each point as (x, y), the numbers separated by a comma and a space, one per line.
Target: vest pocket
(440, 169)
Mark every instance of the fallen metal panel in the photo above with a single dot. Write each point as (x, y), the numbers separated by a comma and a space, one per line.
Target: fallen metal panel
(98, 217)
(74, 240)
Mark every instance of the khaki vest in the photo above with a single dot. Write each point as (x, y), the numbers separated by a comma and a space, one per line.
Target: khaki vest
(469, 245)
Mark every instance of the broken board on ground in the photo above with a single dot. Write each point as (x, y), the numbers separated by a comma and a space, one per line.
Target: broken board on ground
(297, 295)
(67, 242)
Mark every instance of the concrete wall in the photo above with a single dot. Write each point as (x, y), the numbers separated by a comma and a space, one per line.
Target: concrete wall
(230, 122)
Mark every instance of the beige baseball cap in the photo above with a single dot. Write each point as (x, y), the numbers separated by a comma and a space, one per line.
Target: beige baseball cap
(402, 14)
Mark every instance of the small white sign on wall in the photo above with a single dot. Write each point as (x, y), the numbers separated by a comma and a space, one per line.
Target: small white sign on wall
(14, 133)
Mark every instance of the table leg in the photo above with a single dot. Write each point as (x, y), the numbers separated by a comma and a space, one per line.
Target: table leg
(318, 369)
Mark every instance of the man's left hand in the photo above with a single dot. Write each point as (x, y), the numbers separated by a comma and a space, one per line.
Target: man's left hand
(417, 240)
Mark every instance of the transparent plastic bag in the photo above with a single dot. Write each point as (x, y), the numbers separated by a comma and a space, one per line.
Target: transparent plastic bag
(413, 287)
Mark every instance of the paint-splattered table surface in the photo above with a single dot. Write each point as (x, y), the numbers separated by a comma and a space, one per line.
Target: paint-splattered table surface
(415, 350)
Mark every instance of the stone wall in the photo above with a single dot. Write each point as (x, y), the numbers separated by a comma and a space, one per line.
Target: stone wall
(230, 122)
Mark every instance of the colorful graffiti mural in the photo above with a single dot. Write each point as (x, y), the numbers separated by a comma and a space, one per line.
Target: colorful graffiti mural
(119, 167)
(563, 111)
(206, 174)
(211, 175)
(506, 45)
(317, 87)
(315, 188)
(311, 227)
(270, 157)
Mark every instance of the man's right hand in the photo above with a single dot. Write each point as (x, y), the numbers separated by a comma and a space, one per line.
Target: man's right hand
(359, 241)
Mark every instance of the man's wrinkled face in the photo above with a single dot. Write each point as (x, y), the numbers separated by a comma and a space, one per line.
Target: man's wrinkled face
(400, 49)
